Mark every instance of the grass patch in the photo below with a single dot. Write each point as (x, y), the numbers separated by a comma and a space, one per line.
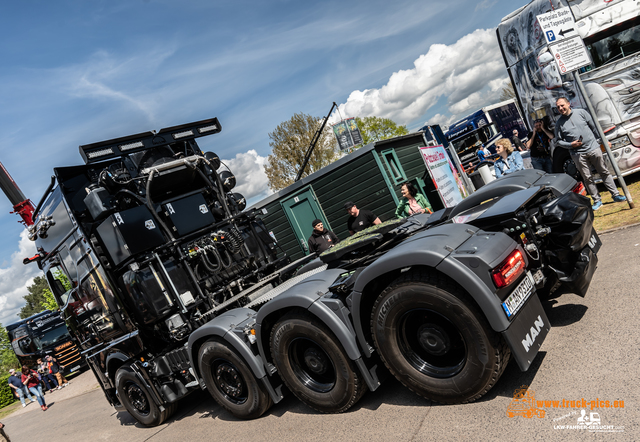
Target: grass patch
(612, 215)
(6, 411)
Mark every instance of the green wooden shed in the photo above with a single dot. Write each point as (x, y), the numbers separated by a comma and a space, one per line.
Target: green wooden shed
(371, 177)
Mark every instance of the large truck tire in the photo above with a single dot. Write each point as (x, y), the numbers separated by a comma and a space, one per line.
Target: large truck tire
(563, 163)
(231, 382)
(138, 401)
(313, 364)
(435, 340)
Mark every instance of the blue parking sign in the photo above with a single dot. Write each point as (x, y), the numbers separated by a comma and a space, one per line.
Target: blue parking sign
(550, 36)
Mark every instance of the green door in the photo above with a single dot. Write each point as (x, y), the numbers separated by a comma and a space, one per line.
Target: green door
(301, 210)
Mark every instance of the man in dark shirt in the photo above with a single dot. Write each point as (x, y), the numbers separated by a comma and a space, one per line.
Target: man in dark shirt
(539, 147)
(56, 370)
(321, 239)
(517, 142)
(18, 387)
(359, 219)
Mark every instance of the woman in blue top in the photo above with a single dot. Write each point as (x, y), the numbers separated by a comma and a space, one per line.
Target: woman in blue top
(509, 160)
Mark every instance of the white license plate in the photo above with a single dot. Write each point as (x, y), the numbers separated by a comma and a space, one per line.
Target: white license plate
(76, 368)
(519, 296)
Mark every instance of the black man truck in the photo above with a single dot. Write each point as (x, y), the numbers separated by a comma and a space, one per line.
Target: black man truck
(172, 286)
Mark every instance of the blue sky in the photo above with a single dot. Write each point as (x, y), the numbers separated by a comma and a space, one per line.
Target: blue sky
(78, 72)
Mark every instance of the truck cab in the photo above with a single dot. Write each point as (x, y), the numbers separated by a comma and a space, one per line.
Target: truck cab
(45, 334)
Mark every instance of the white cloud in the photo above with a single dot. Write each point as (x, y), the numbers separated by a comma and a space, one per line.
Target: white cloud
(14, 280)
(485, 4)
(105, 76)
(251, 180)
(443, 120)
(468, 73)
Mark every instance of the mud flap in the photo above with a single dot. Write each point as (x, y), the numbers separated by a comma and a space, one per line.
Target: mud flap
(573, 242)
(571, 221)
(527, 332)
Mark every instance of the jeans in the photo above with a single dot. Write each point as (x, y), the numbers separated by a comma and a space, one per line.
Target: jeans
(21, 393)
(595, 159)
(542, 163)
(37, 392)
(49, 381)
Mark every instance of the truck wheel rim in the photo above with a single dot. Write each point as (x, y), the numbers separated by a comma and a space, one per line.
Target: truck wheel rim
(569, 167)
(138, 398)
(311, 365)
(230, 382)
(431, 343)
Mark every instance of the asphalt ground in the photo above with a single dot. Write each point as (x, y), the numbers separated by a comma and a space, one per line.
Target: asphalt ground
(591, 353)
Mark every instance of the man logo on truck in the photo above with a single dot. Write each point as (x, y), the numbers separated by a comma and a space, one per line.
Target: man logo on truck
(530, 337)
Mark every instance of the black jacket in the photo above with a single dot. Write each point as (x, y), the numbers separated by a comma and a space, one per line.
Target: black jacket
(321, 241)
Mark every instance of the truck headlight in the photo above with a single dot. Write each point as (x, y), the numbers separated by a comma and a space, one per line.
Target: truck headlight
(620, 142)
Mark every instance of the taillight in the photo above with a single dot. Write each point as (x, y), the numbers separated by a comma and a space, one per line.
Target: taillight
(579, 188)
(510, 269)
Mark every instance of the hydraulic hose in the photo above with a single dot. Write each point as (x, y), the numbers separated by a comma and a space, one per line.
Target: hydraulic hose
(153, 210)
(210, 266)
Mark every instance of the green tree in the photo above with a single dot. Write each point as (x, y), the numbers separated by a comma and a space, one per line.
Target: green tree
(49, 300)
(289, 143)
(377, 128)
(35, 299)
(7, 356)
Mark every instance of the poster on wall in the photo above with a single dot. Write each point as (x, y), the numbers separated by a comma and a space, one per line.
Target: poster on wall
(443, 174)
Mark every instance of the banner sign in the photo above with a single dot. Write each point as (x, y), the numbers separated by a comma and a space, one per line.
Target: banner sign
(342, 135)
(354, 131)
(443, 174)
(347, 133)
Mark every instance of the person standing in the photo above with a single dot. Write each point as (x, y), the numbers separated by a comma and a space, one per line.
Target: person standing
(49, 379)
(321, 239)
(483, 153)
(576, 131)
(30, 379)
(508, 161)
(18, 387)
(540, 147)
(56, 370)
(517, 142)
(359, 219)
(412, 202)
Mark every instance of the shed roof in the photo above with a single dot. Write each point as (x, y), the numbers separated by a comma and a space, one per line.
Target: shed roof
(327, 169)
